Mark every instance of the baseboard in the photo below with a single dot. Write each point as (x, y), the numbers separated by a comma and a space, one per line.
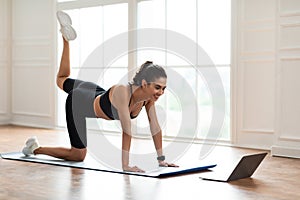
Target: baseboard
(291, 152)
(32, 125)
(4, 123)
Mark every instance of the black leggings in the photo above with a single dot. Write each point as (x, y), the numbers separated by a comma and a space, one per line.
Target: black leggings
(79, 106)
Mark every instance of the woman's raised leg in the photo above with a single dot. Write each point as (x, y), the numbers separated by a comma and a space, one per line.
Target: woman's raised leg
(64, 68)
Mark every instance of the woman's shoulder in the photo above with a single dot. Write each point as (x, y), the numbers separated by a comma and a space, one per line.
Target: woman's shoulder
(119, 88)
(119, 91)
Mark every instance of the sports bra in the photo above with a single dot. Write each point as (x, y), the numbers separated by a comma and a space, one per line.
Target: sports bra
(109, 109)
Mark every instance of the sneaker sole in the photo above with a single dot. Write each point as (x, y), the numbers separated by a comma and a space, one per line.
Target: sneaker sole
(68, 33)
(63, 18)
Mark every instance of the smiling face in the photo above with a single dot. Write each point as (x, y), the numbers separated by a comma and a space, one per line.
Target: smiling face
(156, 88)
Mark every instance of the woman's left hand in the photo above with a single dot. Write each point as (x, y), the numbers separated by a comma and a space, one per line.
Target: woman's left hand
(165, 164)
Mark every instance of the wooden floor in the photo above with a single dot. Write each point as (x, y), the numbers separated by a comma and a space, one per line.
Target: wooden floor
(276, 178)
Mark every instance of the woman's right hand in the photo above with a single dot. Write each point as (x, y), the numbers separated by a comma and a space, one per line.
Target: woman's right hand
(132, 169)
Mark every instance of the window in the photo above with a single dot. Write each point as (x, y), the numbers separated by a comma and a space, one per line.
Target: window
(206, 23)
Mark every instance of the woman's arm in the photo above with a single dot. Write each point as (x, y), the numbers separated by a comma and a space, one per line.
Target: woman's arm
(120, 99)
(154, 127)
(156, 133)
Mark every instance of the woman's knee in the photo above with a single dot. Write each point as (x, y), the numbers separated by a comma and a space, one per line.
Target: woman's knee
(78, 155)
(60, 81)
(79, 158)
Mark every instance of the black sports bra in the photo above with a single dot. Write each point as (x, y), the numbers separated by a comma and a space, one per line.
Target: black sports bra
(109, 109)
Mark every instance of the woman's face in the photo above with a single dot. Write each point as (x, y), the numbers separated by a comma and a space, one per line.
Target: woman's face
(157, 88)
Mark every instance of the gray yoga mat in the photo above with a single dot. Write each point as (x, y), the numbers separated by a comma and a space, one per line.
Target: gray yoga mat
(91, 164)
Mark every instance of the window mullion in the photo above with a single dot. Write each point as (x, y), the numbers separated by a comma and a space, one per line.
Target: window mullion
(132, 44)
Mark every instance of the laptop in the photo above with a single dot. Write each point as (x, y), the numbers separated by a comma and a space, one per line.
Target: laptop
(244, 169)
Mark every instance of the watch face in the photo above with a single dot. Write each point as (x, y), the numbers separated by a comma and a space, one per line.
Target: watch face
(161, 158)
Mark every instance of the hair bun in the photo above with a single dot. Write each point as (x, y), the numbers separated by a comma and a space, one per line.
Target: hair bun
(148, 72)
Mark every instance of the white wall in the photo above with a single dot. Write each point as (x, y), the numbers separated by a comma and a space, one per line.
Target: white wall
(5, 61)
(255, 73)
(287, 137)
(267, 86)
(33, 62)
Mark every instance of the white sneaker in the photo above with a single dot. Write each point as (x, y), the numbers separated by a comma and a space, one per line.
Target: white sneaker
(66, 28)
(31, 145)
(63, 18)
(68, 33)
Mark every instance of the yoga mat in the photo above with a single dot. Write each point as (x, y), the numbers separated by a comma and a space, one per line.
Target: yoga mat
(91, 164)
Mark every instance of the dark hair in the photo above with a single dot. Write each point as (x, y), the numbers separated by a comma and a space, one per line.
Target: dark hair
(149, 72)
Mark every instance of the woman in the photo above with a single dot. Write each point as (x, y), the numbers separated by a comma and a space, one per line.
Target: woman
(120, 102)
